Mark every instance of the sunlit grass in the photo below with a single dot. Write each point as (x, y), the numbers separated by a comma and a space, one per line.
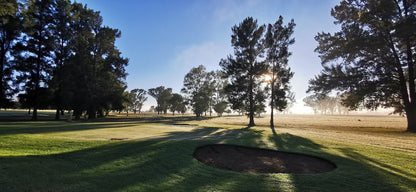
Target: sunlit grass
(157, 156)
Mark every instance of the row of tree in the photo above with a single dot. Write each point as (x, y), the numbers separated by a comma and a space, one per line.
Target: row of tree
(260, 53)
(257, 71)
(370, 62)
(203, 92)
(325, 104)
(58, 54)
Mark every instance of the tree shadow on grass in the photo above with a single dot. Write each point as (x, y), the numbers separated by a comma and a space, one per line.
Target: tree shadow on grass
(158, 119)
(350, 175)
(152, 165)
(31, 127)
(166, 164)
(40, 127)
(389, 173)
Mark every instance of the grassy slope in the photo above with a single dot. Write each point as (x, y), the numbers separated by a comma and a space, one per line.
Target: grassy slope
(60, 156)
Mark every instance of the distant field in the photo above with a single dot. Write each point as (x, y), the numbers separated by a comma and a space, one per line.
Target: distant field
(154, 153)
(395, 123)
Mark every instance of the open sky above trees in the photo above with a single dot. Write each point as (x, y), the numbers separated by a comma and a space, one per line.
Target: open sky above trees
(165, 39)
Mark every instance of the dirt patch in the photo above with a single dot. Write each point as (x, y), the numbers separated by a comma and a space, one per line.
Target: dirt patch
(256, 160)
(185, 124)
(118, 139)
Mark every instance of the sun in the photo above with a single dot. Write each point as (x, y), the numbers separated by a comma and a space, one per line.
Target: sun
(267, 77)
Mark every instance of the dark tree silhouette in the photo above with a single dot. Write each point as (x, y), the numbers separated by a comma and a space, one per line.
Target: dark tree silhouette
(33, 55)
(244, 70)
(277, 41)
(64, 48)
(95, 71)
(372, 59)
(10, 29)
(63, 32)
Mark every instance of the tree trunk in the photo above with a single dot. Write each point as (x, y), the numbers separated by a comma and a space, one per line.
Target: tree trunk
(272, 102)
(91, 114)
(35, 114)
(2, 62)
(411, 119)
(57, 114)
(251, 102)
(77, 114)
(100, 113)
(251, 123)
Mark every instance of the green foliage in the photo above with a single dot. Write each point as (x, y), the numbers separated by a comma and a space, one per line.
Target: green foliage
(138, 98)
(10, 28)
(176, 103)
(162, 97)
(220, 107)
(33, 52)
(277, 41)
(371, 59)
(199, 86)
(63, 33)
(244, 70)
(63, 47)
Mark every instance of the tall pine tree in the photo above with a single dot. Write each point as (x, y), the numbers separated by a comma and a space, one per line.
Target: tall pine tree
(33, 55)
(245, 69)
(277, 41)
(10, 29)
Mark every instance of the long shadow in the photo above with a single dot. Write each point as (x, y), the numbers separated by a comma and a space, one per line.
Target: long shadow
(387, 171)
(152, 165)
(158, 119)
(350, 175)
(39, 127)
(35, 127)
(166, 164)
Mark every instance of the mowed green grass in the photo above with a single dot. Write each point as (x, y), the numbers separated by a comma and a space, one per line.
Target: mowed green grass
(157, 156)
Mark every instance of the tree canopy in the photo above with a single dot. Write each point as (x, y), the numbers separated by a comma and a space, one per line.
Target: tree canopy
(244, 69)
(162, 96)
(277, 41)
(63, 47)
(199, 87)
(371, 60)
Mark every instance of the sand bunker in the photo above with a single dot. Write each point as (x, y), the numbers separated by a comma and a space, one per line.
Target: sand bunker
(256, 160)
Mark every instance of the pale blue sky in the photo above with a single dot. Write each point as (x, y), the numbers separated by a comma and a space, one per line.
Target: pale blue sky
(164, 39)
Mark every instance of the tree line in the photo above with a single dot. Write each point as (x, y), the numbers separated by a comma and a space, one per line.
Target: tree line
(260, 51)
(57, 54)
(369, 63)
(325, 104)
(258, 70)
